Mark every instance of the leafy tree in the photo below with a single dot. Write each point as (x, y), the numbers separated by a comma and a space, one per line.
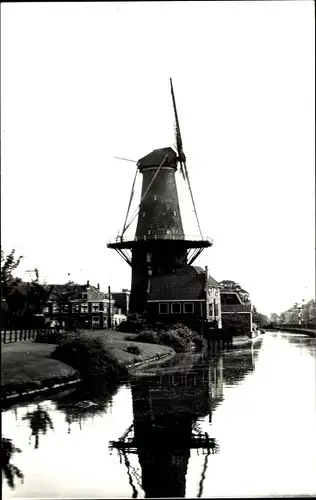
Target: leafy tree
(11, 292)
(9, 263)
(37, 295)
(23, 300)
(235, 287)
(260, 319)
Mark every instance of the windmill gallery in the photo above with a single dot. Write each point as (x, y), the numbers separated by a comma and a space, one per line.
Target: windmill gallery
(165, 283)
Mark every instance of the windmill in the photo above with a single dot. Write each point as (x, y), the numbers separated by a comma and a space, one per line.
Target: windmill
(181, 160)
(159, 245)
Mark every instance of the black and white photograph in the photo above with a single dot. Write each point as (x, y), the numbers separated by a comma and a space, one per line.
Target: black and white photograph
(158, 286)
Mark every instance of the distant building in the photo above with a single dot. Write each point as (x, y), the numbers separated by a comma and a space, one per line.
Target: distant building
(122, 300)
(87, 307)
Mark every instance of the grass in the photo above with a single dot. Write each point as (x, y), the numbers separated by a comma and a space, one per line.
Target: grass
(29, 365)
(26, 366)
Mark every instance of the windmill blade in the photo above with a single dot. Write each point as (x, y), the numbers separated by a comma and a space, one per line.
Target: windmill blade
(181, 155)
(125, 159)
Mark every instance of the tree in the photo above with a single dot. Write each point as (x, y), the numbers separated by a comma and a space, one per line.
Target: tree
(11, 292)
(37, 296)
(24, 300)
(235, 287)
(9, 263)
(68, 301)
(260, 319)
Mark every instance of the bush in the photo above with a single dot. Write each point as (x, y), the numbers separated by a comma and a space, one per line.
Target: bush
(148, 336)
(133, 349)
(174, 340)
(177, 336)
(90, 357)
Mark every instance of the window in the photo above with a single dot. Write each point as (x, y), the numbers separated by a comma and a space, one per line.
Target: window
(95, 319)
(174, 213)
(164, 308)
(84, 308)
(95, 307)
(188, 308)
(45, 310)
(176, 308)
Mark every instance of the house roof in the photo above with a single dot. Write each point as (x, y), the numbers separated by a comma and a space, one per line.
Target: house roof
(211, 280)
(92, 292)
(186, 284)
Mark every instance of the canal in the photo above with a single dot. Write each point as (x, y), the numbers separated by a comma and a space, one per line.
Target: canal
(240, 422)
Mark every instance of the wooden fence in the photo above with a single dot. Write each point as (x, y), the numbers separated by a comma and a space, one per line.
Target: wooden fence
(9, 336)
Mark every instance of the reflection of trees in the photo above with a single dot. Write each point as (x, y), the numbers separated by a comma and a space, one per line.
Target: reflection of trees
(85, 402)
(9, 470)
(39, 421)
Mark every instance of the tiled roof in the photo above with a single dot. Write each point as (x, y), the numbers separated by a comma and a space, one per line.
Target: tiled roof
(178, 286)
(211, 280)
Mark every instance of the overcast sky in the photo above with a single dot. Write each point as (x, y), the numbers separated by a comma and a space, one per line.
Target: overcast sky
(84, 82)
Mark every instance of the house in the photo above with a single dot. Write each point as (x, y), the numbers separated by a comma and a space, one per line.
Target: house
(235, 311)
(122, 300)
(189, 295)
(84, 305)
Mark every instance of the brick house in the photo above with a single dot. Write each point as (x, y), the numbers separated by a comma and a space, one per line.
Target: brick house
(188, 295)
(88, 307)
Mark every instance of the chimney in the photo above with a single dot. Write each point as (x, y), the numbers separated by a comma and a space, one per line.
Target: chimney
(88, 283)
(98, 286)
(206, 279)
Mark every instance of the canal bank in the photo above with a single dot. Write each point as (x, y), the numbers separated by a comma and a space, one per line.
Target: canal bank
(27, 368)
(233, 413)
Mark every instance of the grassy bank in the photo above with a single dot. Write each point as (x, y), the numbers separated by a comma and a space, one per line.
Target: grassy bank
(31, 366)
(27, 366)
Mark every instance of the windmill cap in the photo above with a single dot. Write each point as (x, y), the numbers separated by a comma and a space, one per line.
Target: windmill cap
(155, 158)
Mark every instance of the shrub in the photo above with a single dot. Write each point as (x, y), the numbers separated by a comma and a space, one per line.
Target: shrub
(90, 357)
(128, 338)
(148, 336)
(133, 349)
(174, 340)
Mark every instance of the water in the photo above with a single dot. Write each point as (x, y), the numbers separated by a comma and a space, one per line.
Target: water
(256, 404)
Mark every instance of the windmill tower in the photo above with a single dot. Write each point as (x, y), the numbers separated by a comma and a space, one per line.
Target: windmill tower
(160, 248)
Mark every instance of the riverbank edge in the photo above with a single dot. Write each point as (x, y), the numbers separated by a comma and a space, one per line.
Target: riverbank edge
(26, 393)
(309, 333)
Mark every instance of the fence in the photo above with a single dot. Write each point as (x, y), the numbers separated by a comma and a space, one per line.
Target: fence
(9, 336)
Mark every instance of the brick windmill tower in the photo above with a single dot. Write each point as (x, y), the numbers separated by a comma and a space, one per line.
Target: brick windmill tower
(164, 282)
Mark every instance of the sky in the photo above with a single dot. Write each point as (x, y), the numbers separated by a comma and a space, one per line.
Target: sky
(82, 83)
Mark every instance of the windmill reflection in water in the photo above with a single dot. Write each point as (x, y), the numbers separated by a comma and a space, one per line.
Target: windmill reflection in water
(166, 406)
